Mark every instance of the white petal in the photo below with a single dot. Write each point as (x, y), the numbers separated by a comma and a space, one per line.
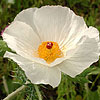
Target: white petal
(50, 20)
(84, 55)
(23, 32)
(73, 30)
(21, 47)
(99, 47)
(92, 32)
(21, 38)
(44, 74)
(18, 59)
(37, 73)
(26, 16)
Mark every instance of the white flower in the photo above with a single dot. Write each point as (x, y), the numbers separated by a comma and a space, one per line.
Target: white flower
(50, 40)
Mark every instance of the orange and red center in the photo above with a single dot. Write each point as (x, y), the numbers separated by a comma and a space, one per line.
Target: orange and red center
(49, 51)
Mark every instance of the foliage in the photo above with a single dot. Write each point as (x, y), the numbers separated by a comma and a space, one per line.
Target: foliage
(85, 86)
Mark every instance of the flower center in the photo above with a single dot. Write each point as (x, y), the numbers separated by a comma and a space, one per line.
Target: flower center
(49, 51)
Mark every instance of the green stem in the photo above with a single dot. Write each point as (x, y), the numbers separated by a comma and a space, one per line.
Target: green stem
(5, 85)
(95, 81)
(38, 92)
(87, 89)
(14, 93)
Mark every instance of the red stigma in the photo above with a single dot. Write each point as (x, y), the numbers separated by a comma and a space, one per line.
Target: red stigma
(49, 45)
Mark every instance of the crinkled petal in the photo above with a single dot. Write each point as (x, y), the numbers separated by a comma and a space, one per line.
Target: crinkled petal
(23, 32)
(99, 48)
(21, 38)
(37, 73)
(92, 32)
(50, 20)
(44, 74)
(26, 16)
(85, 54)
(73, 31)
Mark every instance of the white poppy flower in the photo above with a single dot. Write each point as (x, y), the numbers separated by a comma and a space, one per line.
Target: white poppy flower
(50, 40)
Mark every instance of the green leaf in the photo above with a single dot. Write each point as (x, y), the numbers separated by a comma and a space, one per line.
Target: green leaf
(3, 47)
(91, 70)
(93, 95)
(95, 71)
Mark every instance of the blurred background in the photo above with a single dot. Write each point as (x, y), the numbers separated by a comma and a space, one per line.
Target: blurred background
(85, 86)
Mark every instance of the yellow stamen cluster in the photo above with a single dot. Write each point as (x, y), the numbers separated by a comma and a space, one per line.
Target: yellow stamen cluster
(49, 54)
